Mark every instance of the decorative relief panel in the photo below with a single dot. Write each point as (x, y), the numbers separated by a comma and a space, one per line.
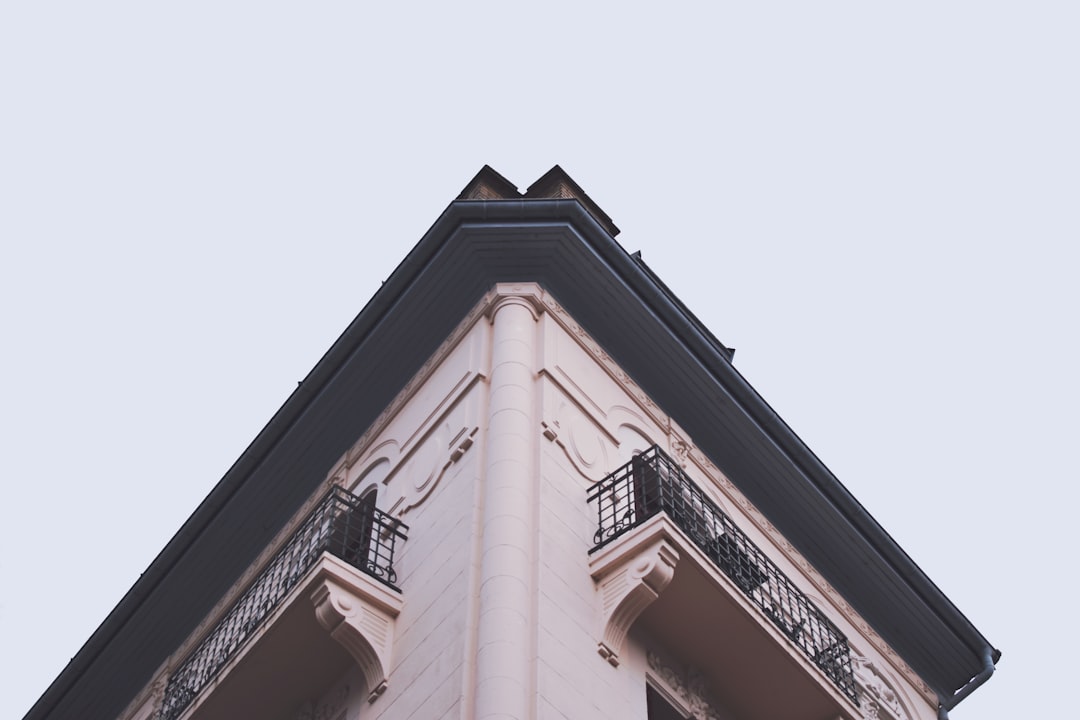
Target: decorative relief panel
(878, 697)
(459, 334)
(610, 367)
(632, 438)
(375, 473)
(409, 472)
(687, 684)
(584, 441)
(426, 469)
(594, 439)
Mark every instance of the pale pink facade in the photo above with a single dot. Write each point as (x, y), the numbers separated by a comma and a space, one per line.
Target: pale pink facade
(487, 456)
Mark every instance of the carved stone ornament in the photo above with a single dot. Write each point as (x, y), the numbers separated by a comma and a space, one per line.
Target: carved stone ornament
(688, 684)
(359, 614)
(628, 583)
(682, 452)
(582, 444)
(441, 454)
(877, 697)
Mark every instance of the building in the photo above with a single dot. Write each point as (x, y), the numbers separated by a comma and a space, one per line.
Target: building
(526, 482)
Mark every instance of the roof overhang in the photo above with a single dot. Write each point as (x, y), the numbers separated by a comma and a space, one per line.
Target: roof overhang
(624, 307)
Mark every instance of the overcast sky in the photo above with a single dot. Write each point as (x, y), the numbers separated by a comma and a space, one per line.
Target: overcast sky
(875, 203)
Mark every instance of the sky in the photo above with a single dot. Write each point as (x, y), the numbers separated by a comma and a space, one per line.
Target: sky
(874, 203)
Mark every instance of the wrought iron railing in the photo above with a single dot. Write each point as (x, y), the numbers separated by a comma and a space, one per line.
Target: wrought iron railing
(342, 524)
(652, 483)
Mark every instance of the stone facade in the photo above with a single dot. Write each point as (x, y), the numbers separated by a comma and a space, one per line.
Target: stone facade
(487, 456)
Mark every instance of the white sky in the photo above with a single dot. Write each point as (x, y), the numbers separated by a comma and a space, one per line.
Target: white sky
(877, 206)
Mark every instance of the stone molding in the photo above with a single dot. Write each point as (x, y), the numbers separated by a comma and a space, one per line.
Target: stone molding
(527, 295)
(406, 393)
(686, 684)
(605, 361)
(630, 579)
(427, 461)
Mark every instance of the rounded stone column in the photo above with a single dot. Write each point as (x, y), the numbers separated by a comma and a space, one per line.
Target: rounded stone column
(504, 635)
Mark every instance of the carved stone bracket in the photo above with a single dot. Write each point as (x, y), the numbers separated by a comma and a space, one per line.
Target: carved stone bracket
(629, 578)
(359, 613)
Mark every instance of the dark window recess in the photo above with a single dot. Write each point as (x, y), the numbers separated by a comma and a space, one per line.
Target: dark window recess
(659, 708)
(351, 538)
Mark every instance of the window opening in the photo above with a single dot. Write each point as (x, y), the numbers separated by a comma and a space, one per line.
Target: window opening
(658, 706)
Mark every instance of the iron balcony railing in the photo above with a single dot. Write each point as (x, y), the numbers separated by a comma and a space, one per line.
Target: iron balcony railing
(652, 483)
(342, 524)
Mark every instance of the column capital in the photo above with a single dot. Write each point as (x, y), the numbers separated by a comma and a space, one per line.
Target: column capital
(526, 294)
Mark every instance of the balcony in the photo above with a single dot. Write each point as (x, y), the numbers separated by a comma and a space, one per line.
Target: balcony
(653, 485)
(349, 528)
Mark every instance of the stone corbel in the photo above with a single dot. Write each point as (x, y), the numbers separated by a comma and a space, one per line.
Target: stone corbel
(628, 583)
(359, 616)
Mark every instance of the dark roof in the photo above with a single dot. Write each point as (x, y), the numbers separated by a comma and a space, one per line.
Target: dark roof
(561, 245)
(489, 185)
(555, 183)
